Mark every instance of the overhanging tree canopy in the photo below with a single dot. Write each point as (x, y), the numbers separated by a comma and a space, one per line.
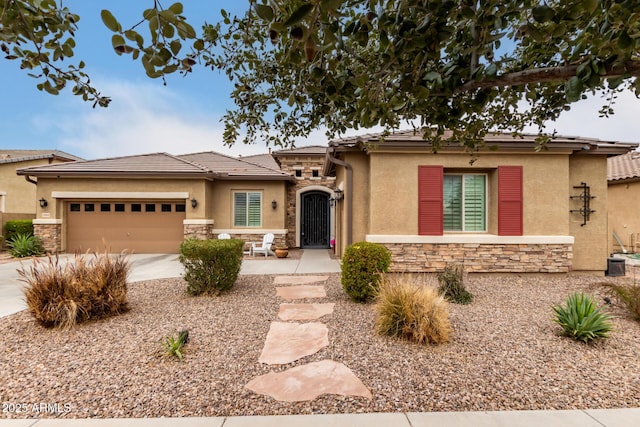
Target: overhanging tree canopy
(469, 66)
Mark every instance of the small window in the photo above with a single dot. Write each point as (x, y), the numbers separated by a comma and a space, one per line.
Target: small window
(298, 173)
(118, 207)
(180, 207)
(165, 207)
(136, 207)
(150, 207)
(74, 207)
(105, 207)
(89, 207)
(315, 173)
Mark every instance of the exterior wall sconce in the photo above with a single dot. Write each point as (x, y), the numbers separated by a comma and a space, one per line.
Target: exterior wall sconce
(274, 204)
(194, 203)
(338, 194)
(43, 202)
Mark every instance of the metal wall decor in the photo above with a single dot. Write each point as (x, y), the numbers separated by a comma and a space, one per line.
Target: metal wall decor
(585, 210)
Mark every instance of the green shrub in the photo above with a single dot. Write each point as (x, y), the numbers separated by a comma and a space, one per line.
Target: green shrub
(362, 264)
(211, 266)
(452, 286)
(23, 245)
(581, 319)
(89, 288)
(173, 344)
(408, 310)
(629, 295)
(17, 226)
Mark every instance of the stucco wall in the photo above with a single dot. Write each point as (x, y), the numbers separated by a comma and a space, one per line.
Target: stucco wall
(394, 189)
(623, 201)
(20, 195)
(590, 249)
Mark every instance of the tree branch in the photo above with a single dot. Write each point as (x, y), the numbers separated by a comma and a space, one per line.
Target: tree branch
(546, 75)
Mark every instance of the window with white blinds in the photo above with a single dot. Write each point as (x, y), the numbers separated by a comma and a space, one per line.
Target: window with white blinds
(465, 202)
(247, 209)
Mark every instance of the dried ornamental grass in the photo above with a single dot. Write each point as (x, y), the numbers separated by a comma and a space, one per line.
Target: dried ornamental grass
(411, 311)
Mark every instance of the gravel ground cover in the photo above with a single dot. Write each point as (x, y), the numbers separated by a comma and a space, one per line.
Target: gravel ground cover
(505, 354)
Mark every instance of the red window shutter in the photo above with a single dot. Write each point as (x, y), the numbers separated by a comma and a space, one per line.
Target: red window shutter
(430, 200)
(510, 200)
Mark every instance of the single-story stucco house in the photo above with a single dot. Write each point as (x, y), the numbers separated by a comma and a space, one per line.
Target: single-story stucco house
(514, 209)
(624, 202)
(17, 196)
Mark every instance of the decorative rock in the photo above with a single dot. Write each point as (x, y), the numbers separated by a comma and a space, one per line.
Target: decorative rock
(299, 292)
(288, 342)
(304, 311)
(309, 381)
(298, 280)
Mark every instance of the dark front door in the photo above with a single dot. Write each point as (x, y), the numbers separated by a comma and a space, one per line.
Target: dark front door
(314, 227)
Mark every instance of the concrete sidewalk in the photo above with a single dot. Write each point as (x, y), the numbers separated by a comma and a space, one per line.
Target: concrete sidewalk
(574, 418)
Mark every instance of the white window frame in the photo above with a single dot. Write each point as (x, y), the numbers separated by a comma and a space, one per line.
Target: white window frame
(233, 212)
(486, 202)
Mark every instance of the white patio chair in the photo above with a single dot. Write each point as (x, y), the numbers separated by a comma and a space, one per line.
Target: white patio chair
(224, 236)
(265, 248)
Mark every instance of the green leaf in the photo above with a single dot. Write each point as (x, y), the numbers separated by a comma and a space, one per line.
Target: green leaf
(299, 14)
(110, 21)
(492, 70)
(543, 13)
(573, 89)
(264, 12)
(590, 5)
(117, 40)
(176, 8)
(175, 46)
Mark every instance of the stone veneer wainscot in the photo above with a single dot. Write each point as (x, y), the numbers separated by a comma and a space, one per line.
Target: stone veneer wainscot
(479, 253)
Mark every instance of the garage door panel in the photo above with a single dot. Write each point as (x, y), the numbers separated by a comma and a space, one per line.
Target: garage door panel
(151, 230)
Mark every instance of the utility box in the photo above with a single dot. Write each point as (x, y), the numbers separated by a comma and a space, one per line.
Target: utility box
(615, 267)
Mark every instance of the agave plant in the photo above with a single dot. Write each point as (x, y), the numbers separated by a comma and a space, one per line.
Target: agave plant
(173, 345)
(23, 245)
(581, 319)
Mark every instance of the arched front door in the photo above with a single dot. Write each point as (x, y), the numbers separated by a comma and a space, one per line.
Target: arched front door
(314, 220)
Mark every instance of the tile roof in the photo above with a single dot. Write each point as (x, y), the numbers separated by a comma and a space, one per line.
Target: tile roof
(319, 150)
(235, 168)
(624, 167)
(413, 138)
(15, 156)
(261, 159)
(145, 164)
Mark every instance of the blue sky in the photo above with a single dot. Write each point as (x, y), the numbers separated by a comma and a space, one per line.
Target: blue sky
(184, 116)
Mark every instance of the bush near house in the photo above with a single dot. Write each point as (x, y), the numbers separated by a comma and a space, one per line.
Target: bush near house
(362, 264)
(629, 295)
(17, 226)
(92, 287)
(408, 310)
(211, 266)
(581, 319)
(452, 285)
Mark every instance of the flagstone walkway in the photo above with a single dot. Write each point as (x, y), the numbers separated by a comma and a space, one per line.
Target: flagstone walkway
(288, 342)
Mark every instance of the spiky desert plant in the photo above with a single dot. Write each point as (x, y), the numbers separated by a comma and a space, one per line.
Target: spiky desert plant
(408, 310)
(173, 344)
(24, 245)
(581, 319)
(452, 285)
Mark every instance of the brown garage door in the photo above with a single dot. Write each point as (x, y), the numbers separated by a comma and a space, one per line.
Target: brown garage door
(138, 226)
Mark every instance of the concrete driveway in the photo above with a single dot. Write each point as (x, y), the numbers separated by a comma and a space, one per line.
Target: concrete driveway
(161, 266)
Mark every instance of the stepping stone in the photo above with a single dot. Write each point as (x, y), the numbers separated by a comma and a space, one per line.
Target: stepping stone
(309, 381)
(299, 292)
(288, 342)
(304, 311)
(298, 280)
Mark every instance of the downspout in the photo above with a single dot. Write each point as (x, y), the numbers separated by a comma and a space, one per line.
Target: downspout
(28, 178)
(349, 195)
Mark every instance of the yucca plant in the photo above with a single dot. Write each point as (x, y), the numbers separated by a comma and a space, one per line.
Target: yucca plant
(409, 310)
(24, 245)
(173, 344)
(581, 319)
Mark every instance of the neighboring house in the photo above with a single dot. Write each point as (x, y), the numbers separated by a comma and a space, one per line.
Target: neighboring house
(150, 203)
(513, 209)
(18, 196)
(624, 202)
